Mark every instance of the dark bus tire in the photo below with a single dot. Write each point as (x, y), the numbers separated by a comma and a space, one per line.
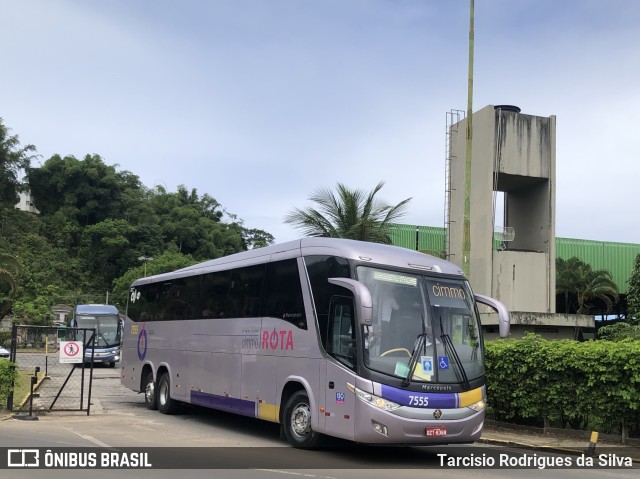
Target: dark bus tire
(166, 405)
(296, 422)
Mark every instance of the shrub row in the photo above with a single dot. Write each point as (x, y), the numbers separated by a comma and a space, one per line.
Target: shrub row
(590, 385)
(7, 378)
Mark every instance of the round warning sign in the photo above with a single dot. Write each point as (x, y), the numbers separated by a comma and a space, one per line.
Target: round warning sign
(71, 351)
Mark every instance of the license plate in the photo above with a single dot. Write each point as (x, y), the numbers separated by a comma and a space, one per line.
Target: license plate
(435, 431)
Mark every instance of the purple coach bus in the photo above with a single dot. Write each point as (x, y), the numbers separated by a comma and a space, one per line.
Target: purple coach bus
(362, 341)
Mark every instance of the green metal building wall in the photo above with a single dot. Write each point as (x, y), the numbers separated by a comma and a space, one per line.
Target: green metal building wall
(617, 258)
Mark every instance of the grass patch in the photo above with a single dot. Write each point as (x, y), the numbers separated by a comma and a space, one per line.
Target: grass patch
(23, 387)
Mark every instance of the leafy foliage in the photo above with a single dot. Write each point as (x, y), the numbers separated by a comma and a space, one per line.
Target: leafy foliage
(9, 273)
(13, 159)
(590, 385)
(351, 214)
(95, 223)
(633, 292)
(86, 191)
(8, 374)
(583, 286)
(619, 331)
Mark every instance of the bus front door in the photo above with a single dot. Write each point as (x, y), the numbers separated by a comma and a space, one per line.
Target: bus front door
(339, 402)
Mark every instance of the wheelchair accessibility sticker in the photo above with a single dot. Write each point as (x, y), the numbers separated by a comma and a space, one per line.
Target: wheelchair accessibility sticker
(443, 362)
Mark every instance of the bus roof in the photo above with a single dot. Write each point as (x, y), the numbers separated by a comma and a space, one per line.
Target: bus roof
(374, 253)
(96, 309)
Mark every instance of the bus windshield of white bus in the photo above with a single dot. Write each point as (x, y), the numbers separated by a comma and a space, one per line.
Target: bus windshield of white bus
(107, 328)
(423, 329)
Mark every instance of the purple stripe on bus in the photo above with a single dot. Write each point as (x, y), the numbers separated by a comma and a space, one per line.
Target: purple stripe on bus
(417, 399)
(229, 404)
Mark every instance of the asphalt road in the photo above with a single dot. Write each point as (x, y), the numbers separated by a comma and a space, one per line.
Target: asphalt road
(239, 447)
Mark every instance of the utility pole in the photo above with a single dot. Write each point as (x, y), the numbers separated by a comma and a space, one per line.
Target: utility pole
(466, 234)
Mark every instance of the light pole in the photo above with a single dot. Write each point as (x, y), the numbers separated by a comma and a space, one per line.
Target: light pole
(144, 260)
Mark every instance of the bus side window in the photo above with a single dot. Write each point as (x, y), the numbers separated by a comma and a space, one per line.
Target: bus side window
(341, 343)
(245, 292)
(283, 298)
(319, 269)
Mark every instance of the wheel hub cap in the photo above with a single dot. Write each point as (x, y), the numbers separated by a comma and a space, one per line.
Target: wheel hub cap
(301, 420)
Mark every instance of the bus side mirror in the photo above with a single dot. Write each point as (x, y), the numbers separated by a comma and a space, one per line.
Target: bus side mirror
(504, 318)
(362, 295)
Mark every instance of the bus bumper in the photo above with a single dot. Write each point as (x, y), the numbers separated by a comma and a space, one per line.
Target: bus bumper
(375, 426)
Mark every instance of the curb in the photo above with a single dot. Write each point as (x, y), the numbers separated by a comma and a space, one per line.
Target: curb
(535, 447)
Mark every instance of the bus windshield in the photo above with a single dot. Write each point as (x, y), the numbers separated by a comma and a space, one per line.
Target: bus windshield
(107, 328)
(424, 328)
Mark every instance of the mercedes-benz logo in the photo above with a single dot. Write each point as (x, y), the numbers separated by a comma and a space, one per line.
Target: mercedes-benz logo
(437, 414)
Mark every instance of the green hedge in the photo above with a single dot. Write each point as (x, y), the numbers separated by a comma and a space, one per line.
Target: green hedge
(591, 385)
(7, 379)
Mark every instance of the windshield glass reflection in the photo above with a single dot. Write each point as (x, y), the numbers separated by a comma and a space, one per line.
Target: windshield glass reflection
(407, 307)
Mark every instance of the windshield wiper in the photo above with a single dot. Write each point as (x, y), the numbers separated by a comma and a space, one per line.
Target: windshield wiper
(422, 342)
(450, 350)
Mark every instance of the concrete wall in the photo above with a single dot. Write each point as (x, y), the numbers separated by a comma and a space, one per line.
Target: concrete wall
(520, 278)
(547, 325)
(513, 153)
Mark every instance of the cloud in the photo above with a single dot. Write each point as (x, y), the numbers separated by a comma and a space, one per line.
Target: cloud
(260, 103)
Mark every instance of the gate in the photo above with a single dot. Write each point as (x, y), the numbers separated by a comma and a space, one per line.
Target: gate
(52, 373)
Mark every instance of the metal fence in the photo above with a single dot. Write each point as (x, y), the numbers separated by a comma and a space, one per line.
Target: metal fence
(52, 373)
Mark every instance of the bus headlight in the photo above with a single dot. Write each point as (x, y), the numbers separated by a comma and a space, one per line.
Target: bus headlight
(376, 401)
(479, 406)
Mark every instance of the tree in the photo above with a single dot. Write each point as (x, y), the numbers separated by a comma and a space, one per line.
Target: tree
(106, 248)
(193, 224)
(9, 272)
(256, 238)
(597, 285)
(13, 159)
(577, 279)
(351, 214)
(633, 292)
(567, 281)
(251, 237)
(86, 191)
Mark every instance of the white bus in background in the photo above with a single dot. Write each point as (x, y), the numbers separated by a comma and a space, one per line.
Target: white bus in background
(108, 337)
(362, 341)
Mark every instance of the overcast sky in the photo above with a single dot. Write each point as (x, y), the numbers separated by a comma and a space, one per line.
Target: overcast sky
(260, 102)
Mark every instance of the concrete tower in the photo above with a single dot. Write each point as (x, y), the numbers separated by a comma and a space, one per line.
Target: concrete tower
(513, 153)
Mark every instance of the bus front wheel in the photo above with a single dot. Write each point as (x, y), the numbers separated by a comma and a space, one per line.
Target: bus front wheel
(296, 422)
(150, 396)
(166, 405)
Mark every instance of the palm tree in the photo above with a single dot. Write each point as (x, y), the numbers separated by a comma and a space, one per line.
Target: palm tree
(567, 279)
(350, 214)
(597, 284)
(576, 278)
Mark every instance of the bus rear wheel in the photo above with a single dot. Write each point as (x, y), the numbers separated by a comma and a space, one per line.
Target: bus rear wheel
(150, 396)
(166, 405)
(296, 422)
